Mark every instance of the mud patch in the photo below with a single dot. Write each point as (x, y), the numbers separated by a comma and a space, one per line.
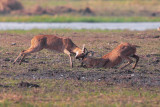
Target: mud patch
(26, 84)
(4, 86)
(114, 77)
(6, 59)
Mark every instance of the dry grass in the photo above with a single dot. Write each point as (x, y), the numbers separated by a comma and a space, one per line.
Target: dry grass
(102, 7)
(126, 8)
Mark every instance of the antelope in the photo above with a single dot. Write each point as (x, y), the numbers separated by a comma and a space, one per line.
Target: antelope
(52, 42)
(115, 57)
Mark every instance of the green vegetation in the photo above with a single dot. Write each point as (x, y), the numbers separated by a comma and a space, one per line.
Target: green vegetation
(48, 18)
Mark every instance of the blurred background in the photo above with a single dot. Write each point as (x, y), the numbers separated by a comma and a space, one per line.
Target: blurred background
(79, 10)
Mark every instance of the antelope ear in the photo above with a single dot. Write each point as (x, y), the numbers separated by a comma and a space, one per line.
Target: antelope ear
(83, 49)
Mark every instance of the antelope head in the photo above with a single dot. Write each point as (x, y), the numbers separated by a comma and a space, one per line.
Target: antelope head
(81, 53)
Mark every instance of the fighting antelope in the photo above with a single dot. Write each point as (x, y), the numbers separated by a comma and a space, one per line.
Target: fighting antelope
(115, 57)
(52, 42)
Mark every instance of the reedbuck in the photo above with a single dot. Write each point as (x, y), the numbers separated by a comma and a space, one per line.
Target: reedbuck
(52, 42)
(115, 57)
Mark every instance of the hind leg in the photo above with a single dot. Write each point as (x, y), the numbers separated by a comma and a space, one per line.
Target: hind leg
(22, 59)
(26, 52)
(18, 57)
(137, 59)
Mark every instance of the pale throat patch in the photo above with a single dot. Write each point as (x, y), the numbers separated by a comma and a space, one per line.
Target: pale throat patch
(77, 54)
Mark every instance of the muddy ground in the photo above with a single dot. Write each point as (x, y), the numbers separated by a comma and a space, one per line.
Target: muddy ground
(113, 76)
(54, 66)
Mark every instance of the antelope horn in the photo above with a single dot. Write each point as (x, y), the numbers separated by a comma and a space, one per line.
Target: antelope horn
(83, 49)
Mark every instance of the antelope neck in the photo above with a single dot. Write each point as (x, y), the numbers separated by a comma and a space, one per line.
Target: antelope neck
(75, 50)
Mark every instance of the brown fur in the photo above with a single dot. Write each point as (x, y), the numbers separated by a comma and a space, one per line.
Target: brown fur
(115, 57)
(52, 42)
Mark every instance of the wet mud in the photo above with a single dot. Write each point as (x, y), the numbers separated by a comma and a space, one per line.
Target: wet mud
(27, 84)
(147, 73)
(127, 77)
(114, 77)
(124, 77)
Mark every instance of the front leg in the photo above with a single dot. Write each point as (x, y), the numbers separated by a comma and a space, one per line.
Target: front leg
(137, 59)
(70, 58)
(129, 62)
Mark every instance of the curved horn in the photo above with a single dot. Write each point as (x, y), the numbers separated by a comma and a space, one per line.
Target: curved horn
(83, 47)
(85, 50)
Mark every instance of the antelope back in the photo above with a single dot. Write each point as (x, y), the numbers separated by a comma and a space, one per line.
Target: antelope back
(91, 62)
(126, 49)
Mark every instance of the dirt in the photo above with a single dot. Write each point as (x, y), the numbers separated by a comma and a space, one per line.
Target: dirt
(40, 66)
(15, 7)
(38, 10)
(6, 6)
(27, 84)
(128, 77)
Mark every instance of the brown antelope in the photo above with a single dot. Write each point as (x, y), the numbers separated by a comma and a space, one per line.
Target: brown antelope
(52, 42)
(115, 57)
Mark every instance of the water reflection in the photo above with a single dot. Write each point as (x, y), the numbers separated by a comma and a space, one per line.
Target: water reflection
(79, 25)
